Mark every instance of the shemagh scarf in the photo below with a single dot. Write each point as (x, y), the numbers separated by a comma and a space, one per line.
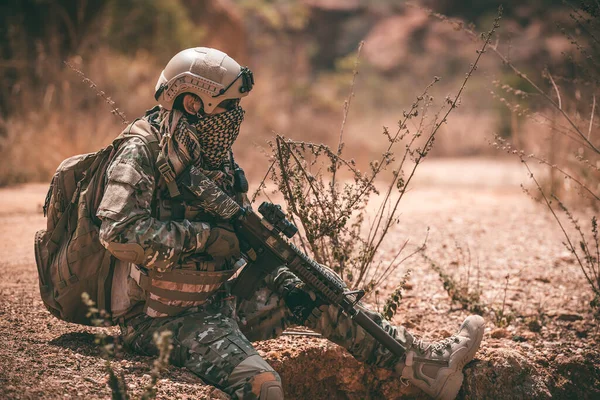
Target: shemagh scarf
(205, 143)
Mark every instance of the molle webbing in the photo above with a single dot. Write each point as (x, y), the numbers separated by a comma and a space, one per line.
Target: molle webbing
(171, 292)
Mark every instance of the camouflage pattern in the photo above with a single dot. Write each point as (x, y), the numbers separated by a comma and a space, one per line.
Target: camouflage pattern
(207, 341)
(214, 339)
(126, 207)
(163, 246)
(208, 196)
(191, 285)
(265, 321)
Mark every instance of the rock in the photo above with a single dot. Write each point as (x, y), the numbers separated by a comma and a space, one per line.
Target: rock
(528, 335)
(504, 374)
(569, 316)
(408, 324)
(579, 376)
(318, 369)
(581, 332)
(534, 325)
(499, 333)
(566, 257)
(565, 315)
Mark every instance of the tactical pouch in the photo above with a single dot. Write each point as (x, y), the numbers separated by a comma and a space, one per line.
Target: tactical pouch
(171, 292)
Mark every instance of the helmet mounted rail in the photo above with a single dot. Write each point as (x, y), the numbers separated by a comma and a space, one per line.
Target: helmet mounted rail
(208, 73)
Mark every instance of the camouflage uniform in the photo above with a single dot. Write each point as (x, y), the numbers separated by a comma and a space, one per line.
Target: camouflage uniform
(212, 340)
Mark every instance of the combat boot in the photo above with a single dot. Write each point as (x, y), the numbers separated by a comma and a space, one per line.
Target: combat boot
(436, 367)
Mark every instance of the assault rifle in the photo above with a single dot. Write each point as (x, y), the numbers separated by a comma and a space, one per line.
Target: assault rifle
(265, 248)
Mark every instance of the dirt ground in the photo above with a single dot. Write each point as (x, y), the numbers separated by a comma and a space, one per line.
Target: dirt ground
(540, 340)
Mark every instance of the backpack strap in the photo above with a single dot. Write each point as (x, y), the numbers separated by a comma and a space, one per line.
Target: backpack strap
(150, 138)
(168, 175)
(146, 134)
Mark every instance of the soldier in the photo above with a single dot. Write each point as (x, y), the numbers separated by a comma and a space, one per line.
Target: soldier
(174, 259)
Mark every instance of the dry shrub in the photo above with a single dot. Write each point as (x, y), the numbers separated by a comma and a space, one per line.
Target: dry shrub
(564, 104)
(327, 196)
(111, 346)
(69, 119)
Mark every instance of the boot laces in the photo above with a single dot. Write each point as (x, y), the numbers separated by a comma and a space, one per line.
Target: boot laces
(439, 347)
(420, 345)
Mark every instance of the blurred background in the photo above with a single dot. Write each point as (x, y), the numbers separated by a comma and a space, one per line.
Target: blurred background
(302, 53)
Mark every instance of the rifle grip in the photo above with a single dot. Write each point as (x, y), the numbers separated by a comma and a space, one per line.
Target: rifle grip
(252, 276)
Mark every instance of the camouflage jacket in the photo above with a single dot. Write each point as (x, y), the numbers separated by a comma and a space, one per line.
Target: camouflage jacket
(126, 211)
(137, 219)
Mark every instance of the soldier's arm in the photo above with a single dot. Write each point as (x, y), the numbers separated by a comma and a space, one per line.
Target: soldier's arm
(128, 229)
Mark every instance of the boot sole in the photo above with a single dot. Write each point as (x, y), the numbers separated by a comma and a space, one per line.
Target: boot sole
(454, 381)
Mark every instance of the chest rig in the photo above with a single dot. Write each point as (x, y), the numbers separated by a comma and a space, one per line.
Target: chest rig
(199, 278)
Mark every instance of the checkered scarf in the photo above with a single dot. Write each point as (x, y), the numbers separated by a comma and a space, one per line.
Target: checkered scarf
(217, 134)
(205, 143)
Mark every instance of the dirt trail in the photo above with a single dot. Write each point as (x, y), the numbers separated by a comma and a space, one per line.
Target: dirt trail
(475, 210)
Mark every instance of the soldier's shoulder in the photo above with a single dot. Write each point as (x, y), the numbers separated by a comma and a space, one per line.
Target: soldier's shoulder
(134, 152)
(135, 149)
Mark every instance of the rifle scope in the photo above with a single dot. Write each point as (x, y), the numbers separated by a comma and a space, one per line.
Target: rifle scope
(276, 217)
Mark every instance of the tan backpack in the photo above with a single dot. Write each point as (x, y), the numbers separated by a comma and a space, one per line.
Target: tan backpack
(69, 256)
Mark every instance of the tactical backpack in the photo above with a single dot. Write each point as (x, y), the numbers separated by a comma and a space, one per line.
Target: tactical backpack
(68, 253)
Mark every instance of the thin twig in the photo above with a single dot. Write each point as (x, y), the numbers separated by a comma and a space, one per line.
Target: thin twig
(548, 204)
(349, 99)
(334, 164)
(401, 126)
(555, 89)
(556, 167)
(592, 117)
(262, 184)
(114, 109)
(523, 76)
(431, 137)
(539, 90)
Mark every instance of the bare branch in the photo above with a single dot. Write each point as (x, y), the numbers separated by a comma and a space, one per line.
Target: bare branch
(114, 109)
(262, 182)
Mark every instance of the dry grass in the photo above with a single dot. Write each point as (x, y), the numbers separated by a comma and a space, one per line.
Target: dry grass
(332, 216)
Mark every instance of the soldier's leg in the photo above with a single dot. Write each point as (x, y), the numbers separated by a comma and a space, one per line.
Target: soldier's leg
(268, 313)
(434, 367)
(212, 347)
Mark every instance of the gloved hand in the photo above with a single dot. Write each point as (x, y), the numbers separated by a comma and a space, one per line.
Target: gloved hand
(222, 242)
(300, 301)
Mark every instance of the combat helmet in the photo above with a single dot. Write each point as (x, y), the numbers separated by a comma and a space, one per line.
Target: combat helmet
(208, 73)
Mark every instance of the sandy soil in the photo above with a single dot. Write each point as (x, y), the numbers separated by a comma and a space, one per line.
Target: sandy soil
(475, 211)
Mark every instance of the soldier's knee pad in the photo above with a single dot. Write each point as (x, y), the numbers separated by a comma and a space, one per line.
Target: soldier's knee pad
(271, 390)
(256, 379)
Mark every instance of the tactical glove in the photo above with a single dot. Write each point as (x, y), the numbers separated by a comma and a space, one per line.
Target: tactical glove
(222, 242)
(300, 301)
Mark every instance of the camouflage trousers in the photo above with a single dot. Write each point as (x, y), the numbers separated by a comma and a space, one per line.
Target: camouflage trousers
(214, 341)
